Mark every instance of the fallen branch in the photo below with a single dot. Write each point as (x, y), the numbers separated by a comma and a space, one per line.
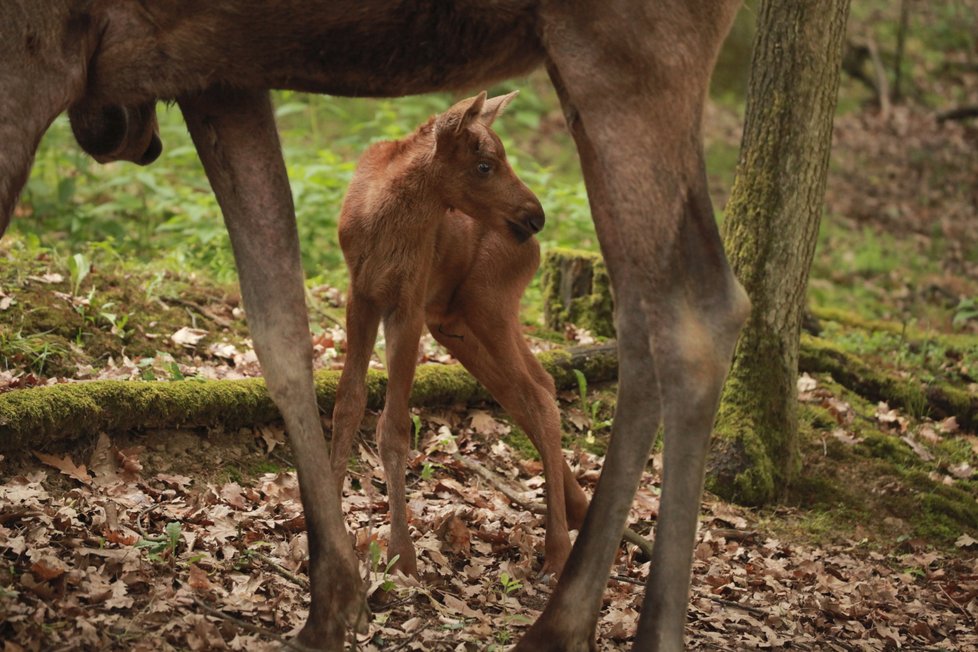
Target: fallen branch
(30, 418)
(280, 570)
(504, 488)
(958, 113)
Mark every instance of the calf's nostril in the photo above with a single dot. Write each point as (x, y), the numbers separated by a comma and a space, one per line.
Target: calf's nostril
(534, 222)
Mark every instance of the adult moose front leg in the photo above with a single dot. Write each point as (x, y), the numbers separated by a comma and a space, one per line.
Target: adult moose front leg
(632, 79)
(235, 135)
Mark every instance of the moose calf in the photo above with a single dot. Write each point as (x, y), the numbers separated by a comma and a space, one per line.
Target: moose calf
(437, 229)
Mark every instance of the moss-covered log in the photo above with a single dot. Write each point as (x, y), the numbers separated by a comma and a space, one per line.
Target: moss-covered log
(34, 417)
(936, 400)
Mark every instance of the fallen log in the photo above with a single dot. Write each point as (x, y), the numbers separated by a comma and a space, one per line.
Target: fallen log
(31, 418)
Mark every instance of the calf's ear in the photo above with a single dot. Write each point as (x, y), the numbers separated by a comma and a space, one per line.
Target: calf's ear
(494, 106)
(457, 119)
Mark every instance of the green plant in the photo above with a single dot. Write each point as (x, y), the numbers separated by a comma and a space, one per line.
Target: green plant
(591, 409)
(966, 310)
(79, 267)
(509, 584)
(416, 423)
(387, 584)
(160, 548)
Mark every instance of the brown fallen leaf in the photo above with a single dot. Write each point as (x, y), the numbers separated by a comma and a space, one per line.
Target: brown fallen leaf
(188, 337)
(455, 536)
(198, 579)
(66, 466)
(47, 568)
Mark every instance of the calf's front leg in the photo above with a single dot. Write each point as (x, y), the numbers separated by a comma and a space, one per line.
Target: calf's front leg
(236, 138)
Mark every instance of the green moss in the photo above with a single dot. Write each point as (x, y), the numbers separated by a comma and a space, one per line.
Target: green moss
(265, 466)
(935, 399)
(942, 511)
(739, 468)
(445, 385)
(577, 290)
(815, 416)
(885, 447)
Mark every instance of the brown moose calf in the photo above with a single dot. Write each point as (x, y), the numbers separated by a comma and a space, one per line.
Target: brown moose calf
(437, 229)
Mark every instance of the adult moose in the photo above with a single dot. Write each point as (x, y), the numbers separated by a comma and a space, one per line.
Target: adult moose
(631, 75)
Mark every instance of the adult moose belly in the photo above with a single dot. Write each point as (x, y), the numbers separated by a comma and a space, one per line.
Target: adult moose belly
(348, 47)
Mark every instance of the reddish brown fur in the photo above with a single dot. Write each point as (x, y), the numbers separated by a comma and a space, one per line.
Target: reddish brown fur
(429, 238)
(631, 75)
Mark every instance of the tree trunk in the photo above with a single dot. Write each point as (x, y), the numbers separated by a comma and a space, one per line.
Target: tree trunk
(770, 232)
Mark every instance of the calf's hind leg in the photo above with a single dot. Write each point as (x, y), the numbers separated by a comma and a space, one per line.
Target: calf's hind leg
(235, 136)
(493, 351)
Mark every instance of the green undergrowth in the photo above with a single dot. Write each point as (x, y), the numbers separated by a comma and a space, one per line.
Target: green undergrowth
(65, 312)
(874, 486)
(59, 316)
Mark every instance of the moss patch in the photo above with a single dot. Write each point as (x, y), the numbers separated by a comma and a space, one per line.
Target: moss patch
(577, 290)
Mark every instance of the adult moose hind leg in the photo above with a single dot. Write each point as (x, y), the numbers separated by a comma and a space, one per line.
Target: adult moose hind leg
(632, 79)
(235, 136)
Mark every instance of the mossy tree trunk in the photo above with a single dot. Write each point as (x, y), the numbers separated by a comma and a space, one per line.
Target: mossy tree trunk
(770, 232)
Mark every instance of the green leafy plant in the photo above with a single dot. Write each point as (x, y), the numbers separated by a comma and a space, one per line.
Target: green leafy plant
(374, 551)
(591, 409)
(416, 423)
(160, 548)
(966, 310)
(509, 584)
(79, 267)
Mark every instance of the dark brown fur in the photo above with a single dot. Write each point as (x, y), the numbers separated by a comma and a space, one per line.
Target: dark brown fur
(631, 75)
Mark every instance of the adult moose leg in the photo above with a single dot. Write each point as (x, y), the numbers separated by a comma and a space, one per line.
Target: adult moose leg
(235, 136)
(43, 55)
(632, 79)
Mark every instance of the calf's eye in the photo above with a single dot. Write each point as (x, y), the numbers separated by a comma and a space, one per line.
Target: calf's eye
(484, 168)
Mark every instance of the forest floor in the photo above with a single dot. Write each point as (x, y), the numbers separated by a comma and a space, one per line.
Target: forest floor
(194, 539)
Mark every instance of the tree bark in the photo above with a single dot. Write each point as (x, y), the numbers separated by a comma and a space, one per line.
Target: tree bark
(770, 232)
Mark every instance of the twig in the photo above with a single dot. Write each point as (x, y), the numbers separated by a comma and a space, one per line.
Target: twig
(139, 526)
(628, 535)
(203, 310)
(280, 569)
(882, 84)
(959, 113)
(411, 638)
(626, 580)
(254, 629)
(736, 605)
(726, 603)
(637, 540)
(499, 484)
(901, 41)
(956, 604)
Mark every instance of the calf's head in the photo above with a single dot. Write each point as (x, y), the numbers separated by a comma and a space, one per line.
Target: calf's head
(473, 173)
(117, 133)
